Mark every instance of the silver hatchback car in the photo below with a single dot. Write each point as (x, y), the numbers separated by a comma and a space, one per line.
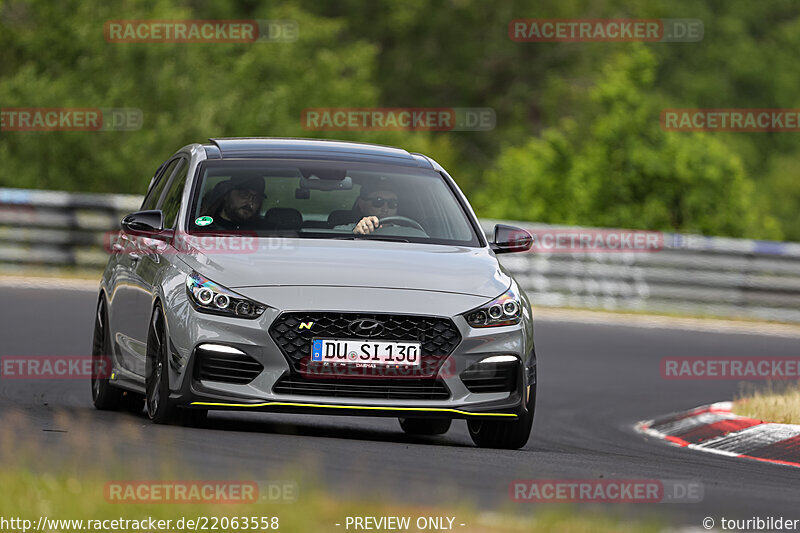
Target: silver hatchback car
(311, 276)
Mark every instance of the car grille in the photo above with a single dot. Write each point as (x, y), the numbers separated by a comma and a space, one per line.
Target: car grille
(438, 336)
(387, 389)
(501, 377)
(225, 368)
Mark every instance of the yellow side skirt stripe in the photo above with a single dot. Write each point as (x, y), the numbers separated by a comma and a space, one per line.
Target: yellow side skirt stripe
(359, 407)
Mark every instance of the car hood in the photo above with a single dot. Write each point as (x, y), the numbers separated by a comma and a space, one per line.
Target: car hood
(275, 262)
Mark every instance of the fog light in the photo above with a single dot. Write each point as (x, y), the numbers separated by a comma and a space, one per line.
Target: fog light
(220, 348)
(499, 359)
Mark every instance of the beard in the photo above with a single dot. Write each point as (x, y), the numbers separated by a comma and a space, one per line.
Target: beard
(240, 215)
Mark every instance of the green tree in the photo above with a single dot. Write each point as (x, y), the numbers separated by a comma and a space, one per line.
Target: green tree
(623, 170)
(56, 55)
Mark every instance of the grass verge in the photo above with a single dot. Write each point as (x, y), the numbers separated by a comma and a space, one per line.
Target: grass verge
(774, 403)
(68, 497)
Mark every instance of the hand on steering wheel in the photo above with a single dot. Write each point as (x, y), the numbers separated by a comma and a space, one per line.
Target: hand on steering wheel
(401, 221)
(367, 225)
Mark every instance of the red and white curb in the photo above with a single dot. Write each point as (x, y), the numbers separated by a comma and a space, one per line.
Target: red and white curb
(715, 429)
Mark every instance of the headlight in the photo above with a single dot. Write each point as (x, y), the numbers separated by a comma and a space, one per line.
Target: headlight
(211, 297)
(505, 310)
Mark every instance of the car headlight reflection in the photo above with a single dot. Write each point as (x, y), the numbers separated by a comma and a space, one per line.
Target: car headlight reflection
(210, 297)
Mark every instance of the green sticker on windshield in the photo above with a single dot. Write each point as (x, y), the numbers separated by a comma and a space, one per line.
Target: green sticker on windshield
(203, 221)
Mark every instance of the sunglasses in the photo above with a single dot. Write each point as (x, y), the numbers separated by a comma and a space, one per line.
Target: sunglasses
(378, 202)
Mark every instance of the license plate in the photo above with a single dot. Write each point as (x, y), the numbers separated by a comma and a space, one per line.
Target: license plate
(365, 351)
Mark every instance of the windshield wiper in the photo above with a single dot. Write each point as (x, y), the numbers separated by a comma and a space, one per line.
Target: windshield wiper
(389, 238)
(385, 238)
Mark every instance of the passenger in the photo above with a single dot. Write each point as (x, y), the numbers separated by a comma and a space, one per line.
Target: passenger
(234, 204)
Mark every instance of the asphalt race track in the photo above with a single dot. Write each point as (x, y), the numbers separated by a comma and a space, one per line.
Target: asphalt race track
(596, 381)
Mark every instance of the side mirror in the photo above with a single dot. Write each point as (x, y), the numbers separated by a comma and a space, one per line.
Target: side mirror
(509, 239)
(144, 224)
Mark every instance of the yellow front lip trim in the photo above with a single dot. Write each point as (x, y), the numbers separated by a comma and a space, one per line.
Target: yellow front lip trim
(365, 408)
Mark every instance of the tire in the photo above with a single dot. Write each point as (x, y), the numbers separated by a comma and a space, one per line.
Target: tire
(502, 434)
(105, 396)
(156, 402)
(425, 426)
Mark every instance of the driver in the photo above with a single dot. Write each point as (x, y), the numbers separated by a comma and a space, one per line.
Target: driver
(375, 203)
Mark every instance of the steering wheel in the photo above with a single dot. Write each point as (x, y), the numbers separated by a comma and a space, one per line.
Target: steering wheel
(402, 221)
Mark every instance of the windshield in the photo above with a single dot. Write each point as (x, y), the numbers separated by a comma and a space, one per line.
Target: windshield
(324, 199)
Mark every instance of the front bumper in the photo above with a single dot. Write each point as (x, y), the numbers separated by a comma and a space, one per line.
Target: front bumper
(199, 395)
(252, 337)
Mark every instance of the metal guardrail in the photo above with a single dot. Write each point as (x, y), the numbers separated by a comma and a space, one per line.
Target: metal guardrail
(691, 274)
(57, 228)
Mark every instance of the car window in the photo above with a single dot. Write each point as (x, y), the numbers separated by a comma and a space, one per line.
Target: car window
(151, 200)
(325, 199)
(282, 192)
(172, 200)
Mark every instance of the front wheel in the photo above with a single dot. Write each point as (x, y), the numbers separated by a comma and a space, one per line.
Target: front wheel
(503, 434)
(105, 396)
(158, 405)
